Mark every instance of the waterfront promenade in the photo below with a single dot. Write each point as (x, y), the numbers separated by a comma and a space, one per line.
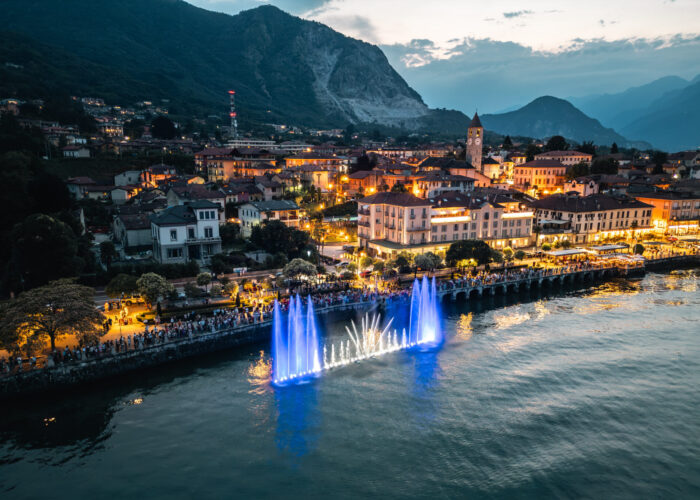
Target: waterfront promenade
(226, 328)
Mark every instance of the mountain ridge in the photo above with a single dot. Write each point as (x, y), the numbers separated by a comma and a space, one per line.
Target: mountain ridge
(283, 68)
(547, 116)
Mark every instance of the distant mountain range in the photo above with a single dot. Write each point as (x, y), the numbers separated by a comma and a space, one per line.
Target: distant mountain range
(547, 116)
(664, 112)
(283, 68)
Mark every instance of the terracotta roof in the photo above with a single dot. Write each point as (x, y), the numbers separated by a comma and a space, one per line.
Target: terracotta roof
(398, 199)
(135, 221)
(592, 203)
(446, 163)
(196, 192)
(554, 154)
(542, 164)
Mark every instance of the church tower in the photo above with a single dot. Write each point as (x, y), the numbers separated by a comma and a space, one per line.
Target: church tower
(475, 138)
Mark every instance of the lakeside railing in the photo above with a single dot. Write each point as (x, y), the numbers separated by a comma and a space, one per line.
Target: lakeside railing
(142, 343)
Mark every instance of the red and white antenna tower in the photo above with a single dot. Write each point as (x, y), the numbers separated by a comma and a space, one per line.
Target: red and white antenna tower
(232, 114)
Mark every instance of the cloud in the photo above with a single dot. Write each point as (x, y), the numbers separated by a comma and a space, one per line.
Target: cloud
(494, 75)
(519, 13)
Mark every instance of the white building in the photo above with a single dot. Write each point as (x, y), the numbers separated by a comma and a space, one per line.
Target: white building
(186, 232)
(255, 213)
(128, 178)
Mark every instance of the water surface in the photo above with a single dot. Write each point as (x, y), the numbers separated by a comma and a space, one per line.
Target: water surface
(592, 393)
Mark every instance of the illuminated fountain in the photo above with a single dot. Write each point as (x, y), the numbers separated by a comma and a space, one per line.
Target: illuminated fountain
(425, 323)
(295, 349)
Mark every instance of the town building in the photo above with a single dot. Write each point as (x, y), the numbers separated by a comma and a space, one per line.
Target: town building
(128, 178)
(674, 212)
(389, 223)
(254, 213)
(182, 194)
(584, 186)
(591, 219)
(435, 182)
(567, 158)
(133, 231)
(77, 186)
(393, 221)
(475, 142)
(546, 176)
(186, 232)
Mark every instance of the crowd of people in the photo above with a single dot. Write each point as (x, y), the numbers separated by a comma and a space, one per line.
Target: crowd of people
(323, 296)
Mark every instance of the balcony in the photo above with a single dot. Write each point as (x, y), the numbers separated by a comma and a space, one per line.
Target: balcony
(363, 223)
(196, 240)
(361, 211)
(414, 229)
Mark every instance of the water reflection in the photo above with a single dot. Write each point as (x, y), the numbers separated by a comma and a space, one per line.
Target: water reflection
(298, 419)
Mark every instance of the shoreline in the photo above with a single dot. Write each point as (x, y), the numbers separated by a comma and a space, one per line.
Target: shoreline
(65, 376)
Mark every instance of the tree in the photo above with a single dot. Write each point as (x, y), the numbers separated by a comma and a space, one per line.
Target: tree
(366, 261)
(638, 249)
(203, 279)
(107, 253)
(230, 233)
(121, 284)
(508, 254)
(519, 255)
(468, 249)
(192, 291)
(399, 188)
(614, 149)
(299, 267)
(546, 247)
(427, 261)
(163, 127)
(219, 264)
(578, 170)
(587, 147)
(50, 312)
(275, 237)
(347, 135)
(659, 158)
(151, 286)
(507, 143)
(604, 166)
(497, 256)
(378, 266)
(44, 249)
(531, 151)
(556, 143)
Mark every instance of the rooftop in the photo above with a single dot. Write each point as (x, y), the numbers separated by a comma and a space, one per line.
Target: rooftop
(397, 199)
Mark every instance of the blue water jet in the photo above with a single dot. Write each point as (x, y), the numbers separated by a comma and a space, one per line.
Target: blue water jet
(424, 328)
(295, 349)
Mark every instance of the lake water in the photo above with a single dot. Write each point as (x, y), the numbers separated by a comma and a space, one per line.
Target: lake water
(590, 393)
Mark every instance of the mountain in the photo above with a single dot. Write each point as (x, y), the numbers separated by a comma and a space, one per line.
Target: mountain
(547, 116)
(282, 68)
(671, 122)
(619, 109)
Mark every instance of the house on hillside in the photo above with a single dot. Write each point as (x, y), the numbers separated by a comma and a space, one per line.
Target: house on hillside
(186, 232)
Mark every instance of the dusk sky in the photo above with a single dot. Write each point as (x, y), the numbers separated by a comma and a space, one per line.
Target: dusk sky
(495, 55)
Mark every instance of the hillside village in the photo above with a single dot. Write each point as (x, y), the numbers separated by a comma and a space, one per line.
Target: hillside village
(384, 195)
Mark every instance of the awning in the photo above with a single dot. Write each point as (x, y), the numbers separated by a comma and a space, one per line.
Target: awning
(566, 252)
(608, 248)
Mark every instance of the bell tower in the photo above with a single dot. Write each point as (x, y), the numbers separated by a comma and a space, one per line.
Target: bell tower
(475, 138)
